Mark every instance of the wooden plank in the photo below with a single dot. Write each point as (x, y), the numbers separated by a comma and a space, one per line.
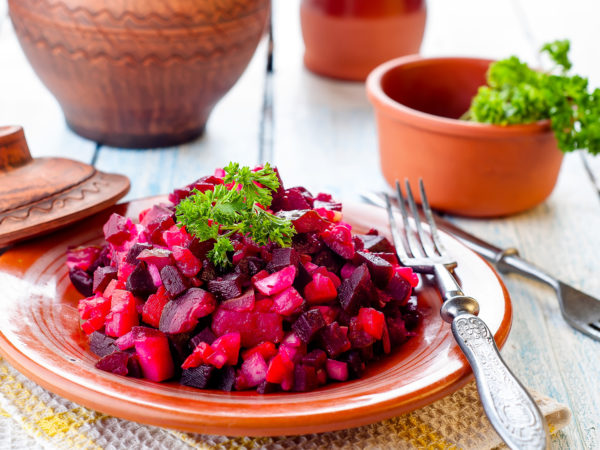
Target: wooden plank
(232, 134)
(25, 101)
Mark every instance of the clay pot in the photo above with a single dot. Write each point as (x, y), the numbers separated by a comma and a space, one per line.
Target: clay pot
(470, 169)
(139, 73)
(348, 38)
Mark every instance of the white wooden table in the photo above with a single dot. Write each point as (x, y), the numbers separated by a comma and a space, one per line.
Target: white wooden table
(321, 133)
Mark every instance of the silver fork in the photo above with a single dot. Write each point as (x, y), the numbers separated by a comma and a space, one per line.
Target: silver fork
(510, 409)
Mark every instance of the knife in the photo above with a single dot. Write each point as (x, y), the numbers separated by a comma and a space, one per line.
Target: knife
(580, 310)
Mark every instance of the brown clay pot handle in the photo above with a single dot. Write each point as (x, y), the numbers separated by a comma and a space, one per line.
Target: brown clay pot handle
(14, 151)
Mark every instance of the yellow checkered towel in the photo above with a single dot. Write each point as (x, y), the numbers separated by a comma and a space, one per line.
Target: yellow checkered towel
(32, 417)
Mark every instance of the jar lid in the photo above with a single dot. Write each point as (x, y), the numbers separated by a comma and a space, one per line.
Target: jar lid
(40, 195)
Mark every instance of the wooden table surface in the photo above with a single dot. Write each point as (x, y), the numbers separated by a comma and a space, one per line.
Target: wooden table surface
(321, 133)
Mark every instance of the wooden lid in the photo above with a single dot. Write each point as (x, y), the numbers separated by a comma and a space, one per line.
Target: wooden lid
(42, 194)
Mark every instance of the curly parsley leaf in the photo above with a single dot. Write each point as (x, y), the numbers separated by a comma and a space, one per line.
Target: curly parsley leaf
(235, 207)
(517, 94)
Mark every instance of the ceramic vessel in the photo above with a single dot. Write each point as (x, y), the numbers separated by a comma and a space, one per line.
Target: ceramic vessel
(138, 73)
(348, 38)
(470, 169)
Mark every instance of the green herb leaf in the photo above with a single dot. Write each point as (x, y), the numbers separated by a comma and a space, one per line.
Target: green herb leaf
(517, 94)
(236, 208)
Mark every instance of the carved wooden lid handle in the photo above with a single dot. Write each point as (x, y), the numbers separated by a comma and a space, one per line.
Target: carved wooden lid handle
(14, 151)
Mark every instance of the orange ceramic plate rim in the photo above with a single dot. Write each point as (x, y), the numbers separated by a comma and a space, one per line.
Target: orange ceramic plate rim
(69, 372)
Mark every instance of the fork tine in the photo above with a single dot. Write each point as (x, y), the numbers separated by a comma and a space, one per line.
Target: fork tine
(396, 236)
(401, 204)
(423, 241)
(437, 243)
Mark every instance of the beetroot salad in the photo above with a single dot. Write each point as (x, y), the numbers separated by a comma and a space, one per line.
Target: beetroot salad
(239, 284)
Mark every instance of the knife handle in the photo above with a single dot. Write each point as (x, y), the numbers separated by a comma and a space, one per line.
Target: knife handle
(509, 407)
(506, 260)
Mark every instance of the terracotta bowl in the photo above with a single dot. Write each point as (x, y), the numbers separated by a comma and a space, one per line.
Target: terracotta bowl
(348, 38)
(470, 169)
(139, 73)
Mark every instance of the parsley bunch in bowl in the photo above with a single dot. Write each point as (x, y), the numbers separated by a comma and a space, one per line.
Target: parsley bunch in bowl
(517, 94)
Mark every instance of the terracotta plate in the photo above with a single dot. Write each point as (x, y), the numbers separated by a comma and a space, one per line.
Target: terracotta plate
(40, 336)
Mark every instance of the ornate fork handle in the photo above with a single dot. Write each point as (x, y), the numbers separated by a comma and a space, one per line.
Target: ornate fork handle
(509, 407)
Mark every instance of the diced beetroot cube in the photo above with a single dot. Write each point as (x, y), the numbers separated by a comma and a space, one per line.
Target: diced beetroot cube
(82, 257)
(217, 359)
(337, 370)
(160, 257)
(135, 250)
(126, 341)
(320, 289)
(339, 239)
(311, 268)
(332, 276)
(82, 281)
(315, 358)
(124, 271)
(329, 313)
(277, 282)
(244, 302)
(389, 257)
(259, 276)
(357, 336)
(176, 236)
(199, 356)
(307, 243)
(200, 248)
(198, 377)
(305, 221)
(254, 369)
(371, 321)
(116, 229)
(283, 257)
(292, 339)
(254, 326)
(173, 281)
(115, 362)
(280, 368)
(408, 274)
(154, 213)
(94, 323)
(226, 287)
(266, 349)
(155, 275)
(305, 378)
(123, 315)
(155, 357)
(157, 227)
(224, 379)
(287, 302)
(291, 199)
(333, 340)
(303, 277)
(267, 388)
(206, 335)
(356, 365)
(114, 284)
(102, 345)
(186, 262)
(398, 288)
(229, 345)
(140, 282)
(381, 270)
(373, 243)
(356, 291)
(263, 305)
(154, 306)
(308, 325)
(208, 271)
(103, 276)
(397, 330)
(181, 314)
(96, 305)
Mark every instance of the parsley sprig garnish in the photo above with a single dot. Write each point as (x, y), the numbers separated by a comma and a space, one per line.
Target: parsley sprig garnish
(517, 94)
(238, 206)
